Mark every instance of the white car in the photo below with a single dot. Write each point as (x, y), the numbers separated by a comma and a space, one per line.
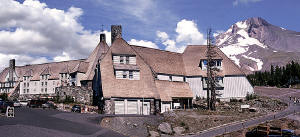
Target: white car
(23, 103)
(17, 104)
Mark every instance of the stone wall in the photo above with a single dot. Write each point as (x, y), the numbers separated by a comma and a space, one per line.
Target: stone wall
(109, 107)
(81, 95)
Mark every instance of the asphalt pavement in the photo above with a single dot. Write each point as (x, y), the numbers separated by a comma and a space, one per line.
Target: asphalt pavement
(29, 122)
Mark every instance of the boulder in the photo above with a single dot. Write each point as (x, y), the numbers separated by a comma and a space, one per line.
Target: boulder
(178, 130)
(165, 128)
(153, 134)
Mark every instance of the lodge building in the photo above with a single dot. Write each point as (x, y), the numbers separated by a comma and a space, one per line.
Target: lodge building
(131, 79)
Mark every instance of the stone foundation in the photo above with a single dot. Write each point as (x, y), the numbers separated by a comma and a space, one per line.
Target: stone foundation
(81, 95)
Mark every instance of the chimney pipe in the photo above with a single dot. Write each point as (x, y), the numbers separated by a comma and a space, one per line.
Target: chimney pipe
(116, 32)
(12, 66)
(102, 37)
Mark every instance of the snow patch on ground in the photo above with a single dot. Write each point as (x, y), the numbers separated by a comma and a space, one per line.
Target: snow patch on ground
(221, 41)
(241, 24)
(275, 51)
(246, 40)
(234, 50)
(236, 60)
(259, 63)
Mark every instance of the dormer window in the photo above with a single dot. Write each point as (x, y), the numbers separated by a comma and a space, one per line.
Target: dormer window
(215, 63)
(124, 74)
(122, 60)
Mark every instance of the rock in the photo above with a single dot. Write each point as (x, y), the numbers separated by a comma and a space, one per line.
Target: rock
(135, 125)
(165, 128)
(178, 130)
(165, 135)
(153, 134)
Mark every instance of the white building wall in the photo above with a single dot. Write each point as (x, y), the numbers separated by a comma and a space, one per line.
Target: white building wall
(236, 87)
(195, 84)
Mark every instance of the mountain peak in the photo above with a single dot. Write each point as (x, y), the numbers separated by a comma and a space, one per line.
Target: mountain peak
(257, 21)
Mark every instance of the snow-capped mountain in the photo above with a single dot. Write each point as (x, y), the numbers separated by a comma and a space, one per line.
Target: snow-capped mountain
(254, 44)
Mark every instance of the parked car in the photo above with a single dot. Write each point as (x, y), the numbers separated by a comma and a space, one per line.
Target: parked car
(4, 105)
(17, 104)
(48, 105)
(23, 103)
(36, 103)
(76, 108)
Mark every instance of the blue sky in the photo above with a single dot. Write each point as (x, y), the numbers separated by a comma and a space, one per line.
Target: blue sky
(54, 30)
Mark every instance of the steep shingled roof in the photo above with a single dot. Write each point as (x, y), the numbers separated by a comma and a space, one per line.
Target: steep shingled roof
(162, 61)
(97, 54)
(194, 53)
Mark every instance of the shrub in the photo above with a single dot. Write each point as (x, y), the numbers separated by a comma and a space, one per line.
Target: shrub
(250, 96)
(68, 100)
(4, 96)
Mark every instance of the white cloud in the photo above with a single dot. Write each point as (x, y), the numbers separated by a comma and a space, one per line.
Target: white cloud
(31, 29)
(237, 2)
(143, 43)
(187, 34)
(65, 56)
(20, 60)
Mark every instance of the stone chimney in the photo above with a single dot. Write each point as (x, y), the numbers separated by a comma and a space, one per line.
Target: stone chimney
(12, 66)
(116, 32)
(102, 37)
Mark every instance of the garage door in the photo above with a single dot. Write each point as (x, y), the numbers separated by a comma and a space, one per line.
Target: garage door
(132, 107)
(119, 107)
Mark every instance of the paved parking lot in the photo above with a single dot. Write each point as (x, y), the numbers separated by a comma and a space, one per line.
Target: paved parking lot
(52, 123)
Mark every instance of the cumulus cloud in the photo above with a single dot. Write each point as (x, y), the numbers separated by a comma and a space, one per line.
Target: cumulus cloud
(33, 30)
(237, 2)
(20, 59)
(143, 43)
(187, 33)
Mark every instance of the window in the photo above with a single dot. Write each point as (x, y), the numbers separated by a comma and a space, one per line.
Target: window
(46, 90)
(27, 90)
(27, 84)
(45, 83)
(124, 74)
(42, 90)
(42, 83)
(53, 82)
(130, 74)
(122, 60)
(24, 85)
(35, 83)
(24, 91)
(218, 63)
(127, 60)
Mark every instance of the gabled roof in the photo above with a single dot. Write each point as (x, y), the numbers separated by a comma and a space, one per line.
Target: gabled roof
(162, 61)
(93, 59)
(53, 68)
(194, 53)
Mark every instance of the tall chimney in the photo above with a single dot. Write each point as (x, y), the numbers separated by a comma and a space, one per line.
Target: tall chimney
(12, 66)
(102, 37)
(116, 32)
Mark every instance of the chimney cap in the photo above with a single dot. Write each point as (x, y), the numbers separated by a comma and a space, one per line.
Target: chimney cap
(102, 37)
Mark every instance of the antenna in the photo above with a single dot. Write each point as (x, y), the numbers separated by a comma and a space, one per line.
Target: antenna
(102, 28)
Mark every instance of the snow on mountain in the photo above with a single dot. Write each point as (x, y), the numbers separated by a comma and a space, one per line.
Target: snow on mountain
(254, 44)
